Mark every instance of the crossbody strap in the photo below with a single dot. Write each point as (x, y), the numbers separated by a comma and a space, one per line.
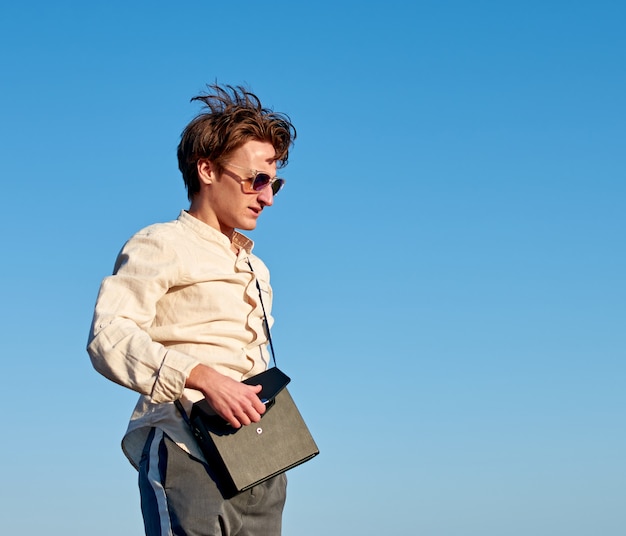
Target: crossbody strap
(265, 322)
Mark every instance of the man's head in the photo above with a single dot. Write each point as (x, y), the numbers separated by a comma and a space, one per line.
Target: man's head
(232, 117)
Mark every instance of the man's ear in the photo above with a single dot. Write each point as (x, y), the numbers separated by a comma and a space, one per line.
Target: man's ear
(206, 171)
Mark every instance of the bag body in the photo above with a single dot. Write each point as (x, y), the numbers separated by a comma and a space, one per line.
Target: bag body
(244, 457)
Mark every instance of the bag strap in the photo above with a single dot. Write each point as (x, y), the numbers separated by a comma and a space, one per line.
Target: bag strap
(265, 322)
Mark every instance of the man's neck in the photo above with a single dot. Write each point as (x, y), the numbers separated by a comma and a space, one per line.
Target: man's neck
(208, 217)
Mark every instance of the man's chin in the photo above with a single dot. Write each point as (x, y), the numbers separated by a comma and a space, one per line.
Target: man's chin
(248, 226)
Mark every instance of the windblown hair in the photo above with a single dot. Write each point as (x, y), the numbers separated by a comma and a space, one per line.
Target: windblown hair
(232, 116)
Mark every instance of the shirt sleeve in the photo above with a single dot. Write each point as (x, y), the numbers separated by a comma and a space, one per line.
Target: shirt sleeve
(120, 346)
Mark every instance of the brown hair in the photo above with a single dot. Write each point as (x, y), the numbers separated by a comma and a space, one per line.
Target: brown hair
(233, 117)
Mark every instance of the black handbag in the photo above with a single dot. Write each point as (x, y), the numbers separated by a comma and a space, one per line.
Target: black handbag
(241, 458)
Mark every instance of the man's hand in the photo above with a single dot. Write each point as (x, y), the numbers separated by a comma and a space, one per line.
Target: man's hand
(234, 401)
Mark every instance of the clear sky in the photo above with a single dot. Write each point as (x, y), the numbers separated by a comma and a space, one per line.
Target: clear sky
(447, 256)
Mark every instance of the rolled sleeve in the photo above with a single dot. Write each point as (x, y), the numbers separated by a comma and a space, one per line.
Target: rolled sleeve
(120, 346)
(172, 376)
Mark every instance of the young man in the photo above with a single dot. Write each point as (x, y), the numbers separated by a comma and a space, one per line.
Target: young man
(181, 319)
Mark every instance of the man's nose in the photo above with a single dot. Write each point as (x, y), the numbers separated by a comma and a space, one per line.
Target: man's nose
(266, 196)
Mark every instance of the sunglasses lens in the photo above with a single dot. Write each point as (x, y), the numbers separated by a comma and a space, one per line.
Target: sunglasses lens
(260, 181)
(277, 185)
(263, 179)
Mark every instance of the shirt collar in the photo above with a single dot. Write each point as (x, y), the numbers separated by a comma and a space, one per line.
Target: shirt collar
(209, 233)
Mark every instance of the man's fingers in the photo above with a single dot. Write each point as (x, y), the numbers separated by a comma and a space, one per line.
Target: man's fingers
(236, 402)
(248, 410)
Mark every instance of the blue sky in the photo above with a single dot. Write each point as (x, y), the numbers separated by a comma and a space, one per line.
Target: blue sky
(447, 255)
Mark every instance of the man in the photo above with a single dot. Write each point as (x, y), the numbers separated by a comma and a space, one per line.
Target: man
(181, 318)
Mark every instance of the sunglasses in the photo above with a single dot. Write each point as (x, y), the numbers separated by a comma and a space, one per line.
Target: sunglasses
(260, 180)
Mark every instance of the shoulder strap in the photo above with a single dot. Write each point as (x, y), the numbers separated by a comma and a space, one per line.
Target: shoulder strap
(265, 322)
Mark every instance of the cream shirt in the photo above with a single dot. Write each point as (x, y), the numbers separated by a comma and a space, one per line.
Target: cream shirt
(178, 297)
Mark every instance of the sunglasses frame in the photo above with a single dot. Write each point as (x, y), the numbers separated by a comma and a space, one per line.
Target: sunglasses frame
(271, 181)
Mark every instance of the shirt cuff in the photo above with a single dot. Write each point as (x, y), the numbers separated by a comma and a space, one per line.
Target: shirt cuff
(172, 376)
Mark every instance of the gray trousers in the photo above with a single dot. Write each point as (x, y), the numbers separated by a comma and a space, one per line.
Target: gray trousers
(180, 498)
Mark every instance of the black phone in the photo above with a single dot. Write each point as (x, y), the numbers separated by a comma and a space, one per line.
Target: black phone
(273, 381)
